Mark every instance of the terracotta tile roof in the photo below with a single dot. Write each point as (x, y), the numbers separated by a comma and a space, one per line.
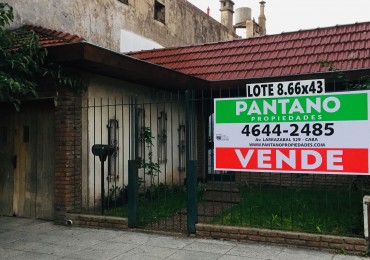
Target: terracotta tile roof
(345, 47)
(48, 37)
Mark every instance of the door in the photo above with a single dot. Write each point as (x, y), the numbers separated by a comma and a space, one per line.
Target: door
(7, 161)
(212, 174)
(30, 147)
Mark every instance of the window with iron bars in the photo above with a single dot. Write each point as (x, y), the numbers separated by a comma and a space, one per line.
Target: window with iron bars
(112, 140)
(162, 137)
(181, 147)
(141, 125)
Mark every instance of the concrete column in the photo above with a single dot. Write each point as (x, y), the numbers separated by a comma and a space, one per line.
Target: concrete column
(227, 11)
(262, 18)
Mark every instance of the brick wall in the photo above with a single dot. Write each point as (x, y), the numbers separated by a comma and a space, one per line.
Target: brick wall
(314, 241)
(302, 180)
(67, 154)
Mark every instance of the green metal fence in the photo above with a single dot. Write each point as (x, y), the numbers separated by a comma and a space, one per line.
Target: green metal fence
(145, 178)
(161, 175)
(324, 204)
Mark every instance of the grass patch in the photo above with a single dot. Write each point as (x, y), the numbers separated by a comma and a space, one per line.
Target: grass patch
(159, 205)
(156, 203)
(309, 210)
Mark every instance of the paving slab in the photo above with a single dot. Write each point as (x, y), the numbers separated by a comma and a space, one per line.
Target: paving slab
(256, 251)
(234, 257)
(32, 256)
(293, 254)
(193, 255)
(6, 253)
(209, 247)
(154, 251)
(93, 253)
(168, 242)
(132, 238)
(136, 257)
(348, 257)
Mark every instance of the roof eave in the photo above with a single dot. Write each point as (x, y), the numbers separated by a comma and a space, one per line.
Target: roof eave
(329, 75)
(92, 58)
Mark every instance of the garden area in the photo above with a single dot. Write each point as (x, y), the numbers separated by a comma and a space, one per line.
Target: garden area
(323, 211)
(156, 203)
(309, 210)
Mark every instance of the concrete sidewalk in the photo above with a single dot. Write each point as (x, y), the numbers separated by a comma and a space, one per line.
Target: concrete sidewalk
(34, 239)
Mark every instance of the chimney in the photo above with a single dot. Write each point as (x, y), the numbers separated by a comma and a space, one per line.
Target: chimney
(227, 11)
(208, 10)
(262, 18)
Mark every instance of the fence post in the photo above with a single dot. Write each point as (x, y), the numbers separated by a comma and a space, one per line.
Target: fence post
(191, 165)
(102, 186)
(133, 200)
(133, 194)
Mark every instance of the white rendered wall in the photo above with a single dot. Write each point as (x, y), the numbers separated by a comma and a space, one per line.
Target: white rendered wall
(130, 41)
(108, 98)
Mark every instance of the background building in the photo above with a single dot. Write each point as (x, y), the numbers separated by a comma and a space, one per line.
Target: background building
(124, 25)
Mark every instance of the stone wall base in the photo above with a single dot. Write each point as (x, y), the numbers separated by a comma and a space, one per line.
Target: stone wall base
(96, 221)
(314, 241)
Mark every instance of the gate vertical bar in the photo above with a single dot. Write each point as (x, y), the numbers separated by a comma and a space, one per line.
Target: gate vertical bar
(191, 178)
(102, 186)
(133, 199)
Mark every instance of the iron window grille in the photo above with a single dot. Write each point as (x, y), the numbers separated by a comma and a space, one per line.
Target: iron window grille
(112, 140)
(181, 146)
(141, 141)
(162, 137)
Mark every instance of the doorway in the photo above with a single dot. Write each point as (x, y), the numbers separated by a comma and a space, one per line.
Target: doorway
(27, 161)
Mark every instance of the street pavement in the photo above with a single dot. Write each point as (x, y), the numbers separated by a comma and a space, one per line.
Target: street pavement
(34, 239)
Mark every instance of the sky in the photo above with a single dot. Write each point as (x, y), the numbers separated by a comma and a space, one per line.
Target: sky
(293, 15)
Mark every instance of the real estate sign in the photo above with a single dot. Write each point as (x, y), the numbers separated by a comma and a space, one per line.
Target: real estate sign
(325, 133)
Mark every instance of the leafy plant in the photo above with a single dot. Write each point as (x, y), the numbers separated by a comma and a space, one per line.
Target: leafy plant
(117, 196)
(150, 168)
(318, 229)
(275, 220)
(23, 63)
(6, 14)
(201, 189)
(366, 253)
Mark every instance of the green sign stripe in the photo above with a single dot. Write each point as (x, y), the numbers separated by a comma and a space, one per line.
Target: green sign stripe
(289, 109)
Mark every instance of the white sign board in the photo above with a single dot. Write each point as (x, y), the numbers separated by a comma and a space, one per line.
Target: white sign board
(321, 133)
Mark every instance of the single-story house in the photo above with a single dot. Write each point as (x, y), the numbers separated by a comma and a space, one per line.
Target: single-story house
(48, 168)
